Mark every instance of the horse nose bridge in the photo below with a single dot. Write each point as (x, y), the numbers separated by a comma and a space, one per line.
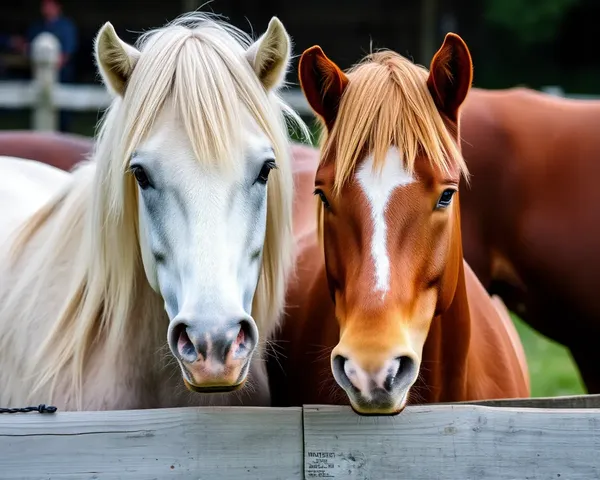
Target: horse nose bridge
(207, 255)
(375, 328)
(208, 284)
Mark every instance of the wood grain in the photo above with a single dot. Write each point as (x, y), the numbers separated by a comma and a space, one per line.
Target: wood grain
(453, 442)
(450, 442)
(183, 443)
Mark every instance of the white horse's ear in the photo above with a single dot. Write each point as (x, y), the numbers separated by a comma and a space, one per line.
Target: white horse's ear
(270, 55)
(115, 59)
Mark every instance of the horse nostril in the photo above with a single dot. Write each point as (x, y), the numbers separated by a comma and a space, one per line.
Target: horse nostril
(185, 347)
(340, 368)
(245, 340)
(400, 372)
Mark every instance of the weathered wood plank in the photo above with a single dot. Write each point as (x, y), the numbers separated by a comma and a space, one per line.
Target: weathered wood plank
(453, 442)
(182, 443)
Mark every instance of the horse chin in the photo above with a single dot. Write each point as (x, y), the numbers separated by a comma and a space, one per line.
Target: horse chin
(213, 388)
(388, 408)
(377, 413)
(231, 383)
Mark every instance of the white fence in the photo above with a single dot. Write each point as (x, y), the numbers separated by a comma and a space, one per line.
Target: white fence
(45, 96)
(514, 439)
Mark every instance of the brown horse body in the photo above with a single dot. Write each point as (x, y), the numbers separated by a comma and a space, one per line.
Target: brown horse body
(60, 150)
(530, 216)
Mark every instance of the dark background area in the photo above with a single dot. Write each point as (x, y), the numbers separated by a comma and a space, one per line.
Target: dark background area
(514, 42)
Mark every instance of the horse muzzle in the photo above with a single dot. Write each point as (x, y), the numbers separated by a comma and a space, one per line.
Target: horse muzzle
(375, 387)
(214, 356)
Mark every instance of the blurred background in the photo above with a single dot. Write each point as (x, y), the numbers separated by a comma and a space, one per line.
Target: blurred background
(542, 44)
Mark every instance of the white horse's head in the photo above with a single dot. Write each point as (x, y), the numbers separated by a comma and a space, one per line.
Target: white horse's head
(202, 163)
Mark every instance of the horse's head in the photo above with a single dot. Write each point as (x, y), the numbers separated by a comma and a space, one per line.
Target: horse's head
(387, 182)
(200, 165)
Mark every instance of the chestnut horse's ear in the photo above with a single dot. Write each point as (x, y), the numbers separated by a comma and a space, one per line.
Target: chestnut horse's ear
(450, 75)
(322, 82)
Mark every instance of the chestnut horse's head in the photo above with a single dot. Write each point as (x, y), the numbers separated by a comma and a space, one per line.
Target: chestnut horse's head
(387, 181)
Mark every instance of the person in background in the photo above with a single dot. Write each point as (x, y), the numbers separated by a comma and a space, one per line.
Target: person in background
(54, 21)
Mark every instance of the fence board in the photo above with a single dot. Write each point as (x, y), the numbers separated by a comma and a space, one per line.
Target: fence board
(453, 442)
(182, 443)
(22, 94)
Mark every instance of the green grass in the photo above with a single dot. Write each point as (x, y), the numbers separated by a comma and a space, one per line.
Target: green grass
(551, 367)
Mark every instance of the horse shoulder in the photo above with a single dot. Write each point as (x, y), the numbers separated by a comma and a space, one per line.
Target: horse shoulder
(497, 364)
(25, 186)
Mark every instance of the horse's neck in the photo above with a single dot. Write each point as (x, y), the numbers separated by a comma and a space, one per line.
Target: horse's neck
(445, 353)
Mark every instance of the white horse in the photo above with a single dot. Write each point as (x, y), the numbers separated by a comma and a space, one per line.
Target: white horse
(177, 232)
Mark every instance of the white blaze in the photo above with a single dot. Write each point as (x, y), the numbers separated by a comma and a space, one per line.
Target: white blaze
(378, 188)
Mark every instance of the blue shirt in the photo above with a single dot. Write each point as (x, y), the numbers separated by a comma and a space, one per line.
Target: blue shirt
(66, 32)
(4, 41)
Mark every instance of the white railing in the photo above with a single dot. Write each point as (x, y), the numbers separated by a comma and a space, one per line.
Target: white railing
(558, 91)
(45, 96)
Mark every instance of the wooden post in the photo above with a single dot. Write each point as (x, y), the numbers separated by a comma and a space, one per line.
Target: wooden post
(45, 55)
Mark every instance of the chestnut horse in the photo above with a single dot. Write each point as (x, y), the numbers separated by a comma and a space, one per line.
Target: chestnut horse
(60, 150)
(382, 289)
(530, 215)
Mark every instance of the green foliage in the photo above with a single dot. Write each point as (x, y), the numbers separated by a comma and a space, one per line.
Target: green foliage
(551, 368)
(531, 21)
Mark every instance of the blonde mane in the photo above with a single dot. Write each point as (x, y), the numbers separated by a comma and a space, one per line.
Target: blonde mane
(387, 103)
(197, 64)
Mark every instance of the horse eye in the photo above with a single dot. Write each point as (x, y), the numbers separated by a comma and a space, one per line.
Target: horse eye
(322, 196)
(263, 176)
(140, 176)
(445, 198)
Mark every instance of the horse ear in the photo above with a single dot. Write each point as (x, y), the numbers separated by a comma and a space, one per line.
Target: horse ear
(322, 82)
(270, 55)
(450, 75)
(115, 58)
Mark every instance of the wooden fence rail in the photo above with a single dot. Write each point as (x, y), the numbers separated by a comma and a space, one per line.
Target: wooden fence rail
(449, 441)
(44, 96)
